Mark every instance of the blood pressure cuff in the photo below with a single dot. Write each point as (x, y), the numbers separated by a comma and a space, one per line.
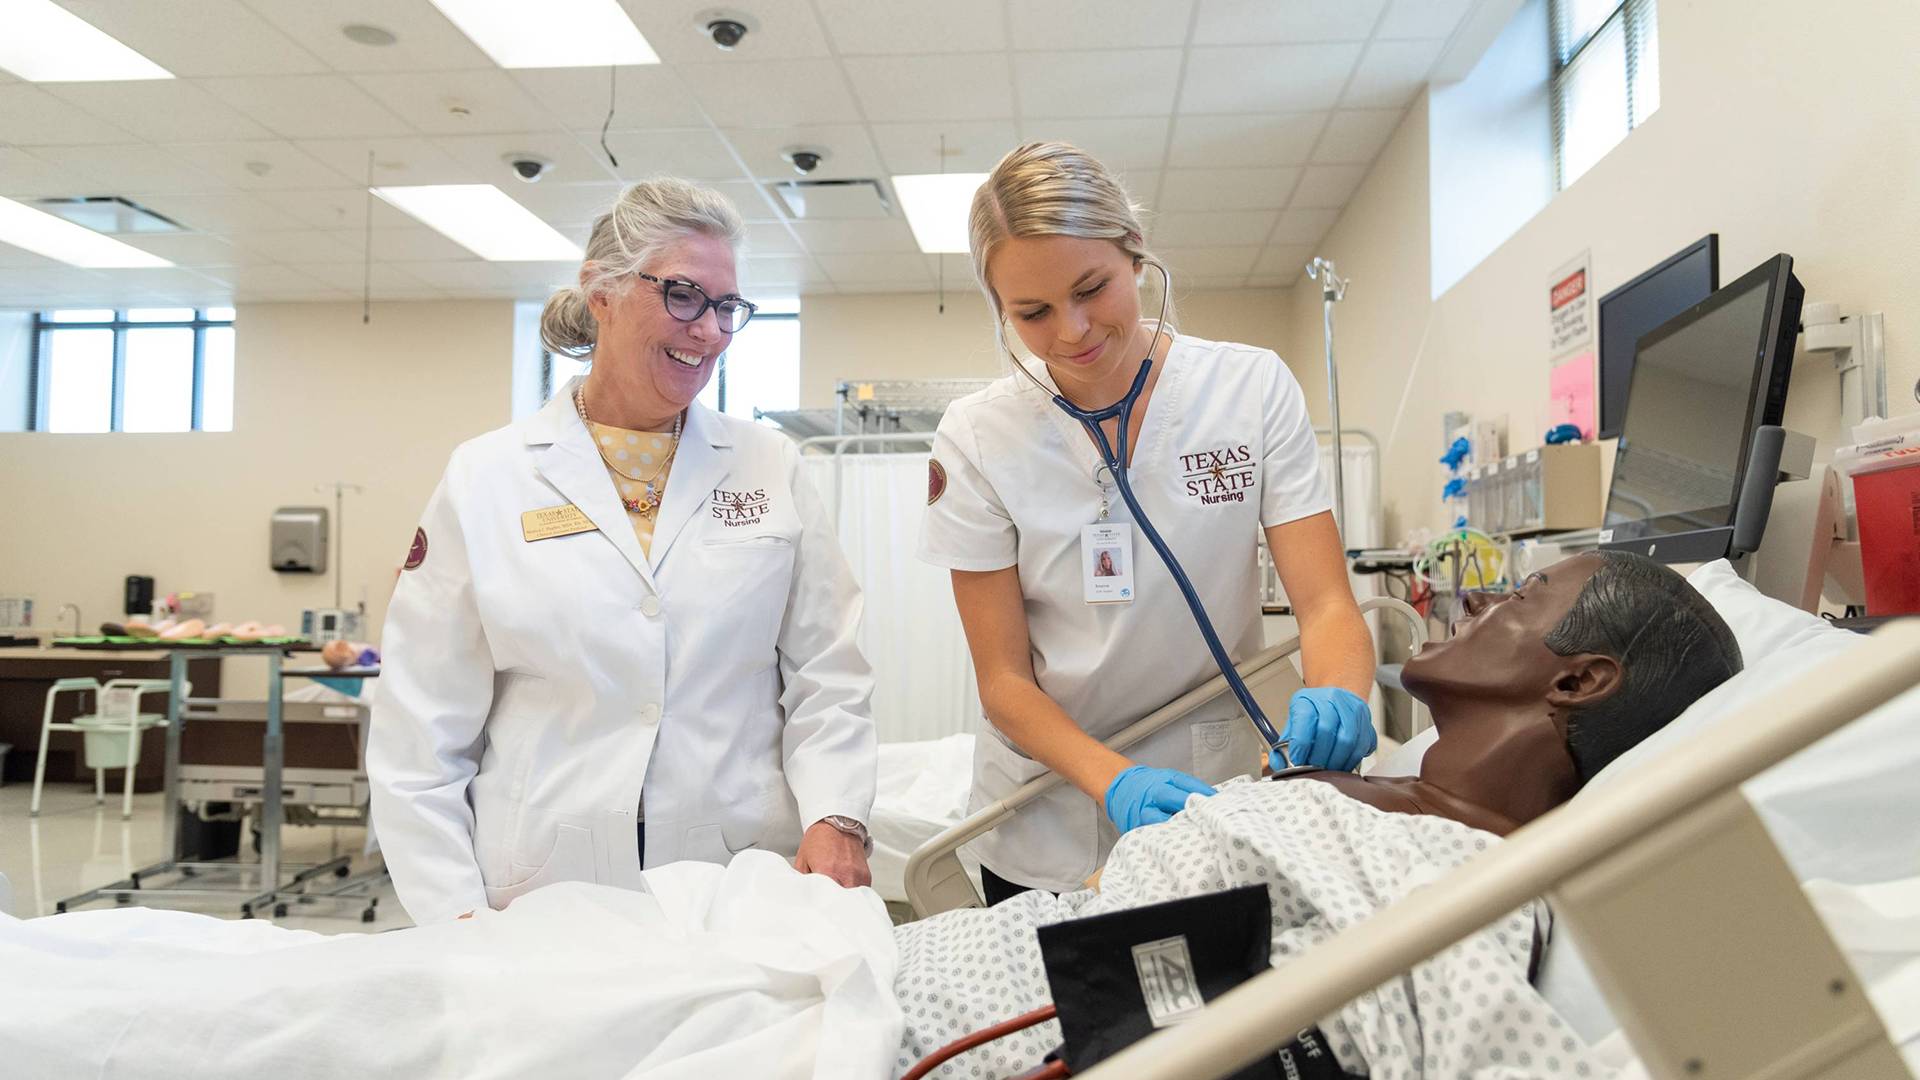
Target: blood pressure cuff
(1118, 977)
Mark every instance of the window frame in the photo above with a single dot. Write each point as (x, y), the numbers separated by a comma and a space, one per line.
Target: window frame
(547, 388)
(39, 374)
(1636, 17)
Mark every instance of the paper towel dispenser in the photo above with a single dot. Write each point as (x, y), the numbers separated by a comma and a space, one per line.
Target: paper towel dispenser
(299, 540)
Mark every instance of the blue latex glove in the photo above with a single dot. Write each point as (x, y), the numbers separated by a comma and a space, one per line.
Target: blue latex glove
(1328, 727)
(1143, 795)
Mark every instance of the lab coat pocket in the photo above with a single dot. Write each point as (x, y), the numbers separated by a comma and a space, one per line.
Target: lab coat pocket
(750, 579)
(1223, 749)
(570, 858)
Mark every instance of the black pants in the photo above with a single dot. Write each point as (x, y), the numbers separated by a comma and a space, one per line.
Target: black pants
(998, 888)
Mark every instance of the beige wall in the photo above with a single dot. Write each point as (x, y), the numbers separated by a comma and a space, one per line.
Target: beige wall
(319, 397)
(1781, 127)
(905, 336)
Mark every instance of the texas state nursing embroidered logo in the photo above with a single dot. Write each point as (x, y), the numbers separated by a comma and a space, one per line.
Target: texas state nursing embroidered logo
(1218, 476)
(936, 481)
(739, 509)
(416, 554)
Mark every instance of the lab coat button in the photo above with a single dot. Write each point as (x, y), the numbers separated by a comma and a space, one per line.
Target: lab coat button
(649, 713)
(650, 606)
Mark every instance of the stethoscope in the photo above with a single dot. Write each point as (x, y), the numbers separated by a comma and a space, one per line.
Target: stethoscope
(1116, 464)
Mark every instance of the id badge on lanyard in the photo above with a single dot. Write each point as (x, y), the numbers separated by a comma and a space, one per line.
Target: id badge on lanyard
(1106, 562)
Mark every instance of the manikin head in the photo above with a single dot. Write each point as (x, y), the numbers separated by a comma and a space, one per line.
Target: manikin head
(1602, 649)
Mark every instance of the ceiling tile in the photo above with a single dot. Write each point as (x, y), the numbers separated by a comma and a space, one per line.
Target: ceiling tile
(407, 245)
(759, 271)
(1355, 136)
(642, 96)
(330, 208)
(222, 213)
(1327, 186)
(780, 30)
(902, 88)
(249, 165)
(747, 197)
(274, 282)
(24, 175)
(426, 40)
(771, 238)
(697, 154)
(1303, 226)
(395, 161)
(1191, 229)
(29, 116)
(1131, 145)
(881, 27)
(308, 106)
(175, 110)
(1206, 262)
(774, 92)
(457, 102)
(203, 38)
(1100, 24)
(1285, 262)
(354, 277)
(303, 246)
(116, 170)
(485, 156)
(1243, 22)
(971, 145)
(1423, 18)
(1245, 141)
(567, 204)
(1135, 82)
(877, 236)
(893, 269)
(958, 269)
(849, 151)
(1266, 78)
(1227, 189)
(1391, 73)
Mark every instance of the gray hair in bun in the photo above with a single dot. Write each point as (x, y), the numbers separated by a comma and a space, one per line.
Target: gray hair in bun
(646, 219)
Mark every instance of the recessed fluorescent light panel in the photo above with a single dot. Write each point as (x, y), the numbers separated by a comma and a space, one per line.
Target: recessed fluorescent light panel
(551, 33)
(937, 206)
(482, 219)
(45, 42)
(43, 234)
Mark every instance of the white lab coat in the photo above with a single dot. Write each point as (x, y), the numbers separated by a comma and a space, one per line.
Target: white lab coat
(1226, 449)
(538, 697)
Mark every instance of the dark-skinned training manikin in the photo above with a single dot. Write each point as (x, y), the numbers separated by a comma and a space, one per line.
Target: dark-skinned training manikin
(1538, 689)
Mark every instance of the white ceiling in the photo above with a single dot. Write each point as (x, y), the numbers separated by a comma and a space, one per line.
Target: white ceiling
(1243, 124)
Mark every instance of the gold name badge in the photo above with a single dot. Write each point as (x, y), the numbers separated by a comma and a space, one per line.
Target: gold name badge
(554, 521)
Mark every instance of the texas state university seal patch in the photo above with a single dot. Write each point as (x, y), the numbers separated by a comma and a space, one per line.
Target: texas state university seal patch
(936, 481)
(417, 554)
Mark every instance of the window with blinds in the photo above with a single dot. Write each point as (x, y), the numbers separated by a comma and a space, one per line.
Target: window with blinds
(1606, 77)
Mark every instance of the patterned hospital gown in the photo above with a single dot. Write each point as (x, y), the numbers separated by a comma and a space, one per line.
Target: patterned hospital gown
(1328, 862)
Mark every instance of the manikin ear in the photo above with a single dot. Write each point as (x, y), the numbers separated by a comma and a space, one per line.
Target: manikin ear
(1585, 679)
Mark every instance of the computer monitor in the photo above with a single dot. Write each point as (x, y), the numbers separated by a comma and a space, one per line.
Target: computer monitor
(1703, 384)
(1679, 282)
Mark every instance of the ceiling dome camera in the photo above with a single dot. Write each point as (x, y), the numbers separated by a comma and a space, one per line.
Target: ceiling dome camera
(528, 167)
(726, 33)
(804, 159)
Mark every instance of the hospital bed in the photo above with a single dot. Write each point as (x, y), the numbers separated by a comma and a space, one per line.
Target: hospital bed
(1642, 876)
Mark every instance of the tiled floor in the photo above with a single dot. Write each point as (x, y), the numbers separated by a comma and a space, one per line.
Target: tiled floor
(75, 845)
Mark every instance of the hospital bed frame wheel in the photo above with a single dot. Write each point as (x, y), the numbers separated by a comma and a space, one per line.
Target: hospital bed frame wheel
(279, 911)
(367, 915)
(60, 907)
(246, 911)
(340, 871)
(122, 898)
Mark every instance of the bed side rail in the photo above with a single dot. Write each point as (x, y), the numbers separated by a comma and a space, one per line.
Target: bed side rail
(1643, 874)
(935, 879)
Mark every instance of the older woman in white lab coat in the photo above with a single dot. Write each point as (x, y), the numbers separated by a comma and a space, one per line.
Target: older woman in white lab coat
(624, 634)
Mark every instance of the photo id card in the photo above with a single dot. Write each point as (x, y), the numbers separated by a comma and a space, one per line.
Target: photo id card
(1106, 562)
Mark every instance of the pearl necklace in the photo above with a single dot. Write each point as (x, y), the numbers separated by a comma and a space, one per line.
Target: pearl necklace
(648, 503)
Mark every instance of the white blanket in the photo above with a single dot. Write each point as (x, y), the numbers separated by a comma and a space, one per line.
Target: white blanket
(747, 970)
(1328, 863)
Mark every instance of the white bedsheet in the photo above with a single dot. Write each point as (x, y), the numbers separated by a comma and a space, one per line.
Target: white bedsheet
(746, 970)
(922, 793)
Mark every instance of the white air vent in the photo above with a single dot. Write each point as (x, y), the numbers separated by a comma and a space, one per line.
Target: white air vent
(108, 214)
(833, 199)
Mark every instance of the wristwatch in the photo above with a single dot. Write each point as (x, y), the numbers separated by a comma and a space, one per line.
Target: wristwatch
(852, 828)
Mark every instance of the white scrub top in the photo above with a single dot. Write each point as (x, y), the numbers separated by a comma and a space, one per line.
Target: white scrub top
(548, 684)
(1226, 449)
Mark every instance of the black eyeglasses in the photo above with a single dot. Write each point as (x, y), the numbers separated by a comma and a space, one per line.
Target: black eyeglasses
(687, 302)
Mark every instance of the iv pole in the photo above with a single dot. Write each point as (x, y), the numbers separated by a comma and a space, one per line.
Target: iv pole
(1333, 289)
(339, 489)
